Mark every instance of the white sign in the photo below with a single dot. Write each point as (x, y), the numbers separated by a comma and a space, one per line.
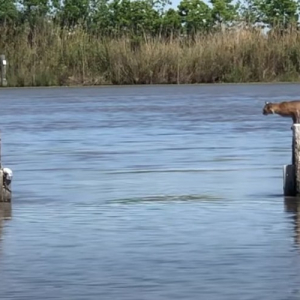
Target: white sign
(4, 62)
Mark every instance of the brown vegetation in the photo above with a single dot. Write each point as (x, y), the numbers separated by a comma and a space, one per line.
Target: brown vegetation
(52, 56)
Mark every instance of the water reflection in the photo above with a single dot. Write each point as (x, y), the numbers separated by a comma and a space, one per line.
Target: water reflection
(292, 205)
(5, 214)
(5, 211)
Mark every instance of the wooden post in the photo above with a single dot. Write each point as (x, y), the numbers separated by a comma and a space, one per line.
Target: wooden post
(3, 63)
(0, 151)
(296, 151)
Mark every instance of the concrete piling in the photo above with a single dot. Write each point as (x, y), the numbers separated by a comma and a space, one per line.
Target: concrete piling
(291, 173)
(5, 182)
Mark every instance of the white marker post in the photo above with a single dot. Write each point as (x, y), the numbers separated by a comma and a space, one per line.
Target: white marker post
(3, 63)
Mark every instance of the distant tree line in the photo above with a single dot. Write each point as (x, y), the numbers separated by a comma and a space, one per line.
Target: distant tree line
(150, 17)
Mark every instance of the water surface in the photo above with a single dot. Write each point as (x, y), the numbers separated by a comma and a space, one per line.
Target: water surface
(148, 192)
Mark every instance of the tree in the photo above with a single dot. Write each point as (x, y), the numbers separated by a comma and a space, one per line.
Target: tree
(159, 5)
(224, 11)
(32, 9)
(72, 12)
(171, 22)
(8, 11)
(101, 18)
(249, 12)
(276, 13)
(144, 18)
(196, 16)
(137, 17)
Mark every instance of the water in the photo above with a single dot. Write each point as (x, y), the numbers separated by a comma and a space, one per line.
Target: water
(148, 193)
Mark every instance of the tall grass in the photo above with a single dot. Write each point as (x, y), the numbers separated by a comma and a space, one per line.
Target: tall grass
(52, 56)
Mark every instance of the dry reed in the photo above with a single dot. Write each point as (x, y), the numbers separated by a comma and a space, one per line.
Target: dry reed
(51, 56)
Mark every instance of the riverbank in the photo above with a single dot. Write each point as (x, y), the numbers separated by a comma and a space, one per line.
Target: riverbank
(55, 57)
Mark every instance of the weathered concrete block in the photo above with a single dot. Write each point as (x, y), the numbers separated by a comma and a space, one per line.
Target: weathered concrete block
(289, 188)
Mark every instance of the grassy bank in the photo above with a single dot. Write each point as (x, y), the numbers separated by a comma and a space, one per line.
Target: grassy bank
(51, 56)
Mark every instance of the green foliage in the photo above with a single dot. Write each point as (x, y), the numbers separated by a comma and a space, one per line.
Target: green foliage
(224, 11)
(33, 9)
(249, 12)
(275, 13)
(74, 12)
(171, 22)
(8, 11)
(101, 18)
(141, 18)
(196, 16)
(137, 17)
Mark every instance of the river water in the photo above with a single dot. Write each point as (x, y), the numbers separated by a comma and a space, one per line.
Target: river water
(148, 192)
